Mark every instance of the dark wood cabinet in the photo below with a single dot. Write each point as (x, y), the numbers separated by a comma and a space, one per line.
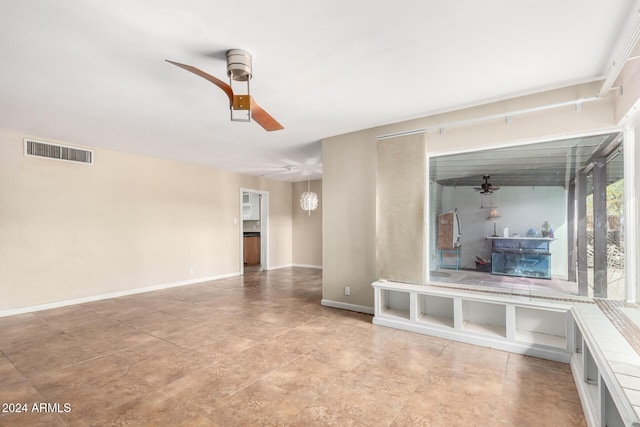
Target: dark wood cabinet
(252, 250)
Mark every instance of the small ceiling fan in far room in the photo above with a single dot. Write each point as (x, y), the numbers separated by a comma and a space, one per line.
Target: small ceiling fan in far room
(242, 105)
(486, 187)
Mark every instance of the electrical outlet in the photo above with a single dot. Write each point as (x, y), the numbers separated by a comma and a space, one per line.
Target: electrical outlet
(193, 270)
(347, 290)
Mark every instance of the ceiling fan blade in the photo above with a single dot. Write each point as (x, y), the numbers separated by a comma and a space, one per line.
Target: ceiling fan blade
(263, 118)
(259, 115)
(216, 81)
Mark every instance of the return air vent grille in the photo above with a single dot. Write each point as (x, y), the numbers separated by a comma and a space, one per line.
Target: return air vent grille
(57, 152)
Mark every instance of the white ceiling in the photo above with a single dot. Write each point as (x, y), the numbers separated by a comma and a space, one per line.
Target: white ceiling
(92, 72)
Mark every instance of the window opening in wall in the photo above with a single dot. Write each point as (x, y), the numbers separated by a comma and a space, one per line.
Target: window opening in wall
(612, 275)
(552, 222)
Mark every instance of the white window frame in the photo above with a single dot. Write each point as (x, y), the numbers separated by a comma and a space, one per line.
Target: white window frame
(632, 289)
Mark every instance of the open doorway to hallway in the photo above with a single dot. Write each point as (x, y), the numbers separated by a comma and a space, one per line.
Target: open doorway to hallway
(254, 212)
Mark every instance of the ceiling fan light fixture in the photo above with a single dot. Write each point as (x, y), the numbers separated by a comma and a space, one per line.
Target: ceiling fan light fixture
(242, 105)
(239, 72)
(486, 187)
(239, 65)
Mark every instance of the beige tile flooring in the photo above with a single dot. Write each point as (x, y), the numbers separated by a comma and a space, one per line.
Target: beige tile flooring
(261, 350)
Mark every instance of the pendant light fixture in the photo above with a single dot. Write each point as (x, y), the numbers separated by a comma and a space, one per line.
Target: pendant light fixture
(494, 215)
(309, 199)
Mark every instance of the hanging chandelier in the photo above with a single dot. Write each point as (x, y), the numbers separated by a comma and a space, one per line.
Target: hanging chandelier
(309, 199)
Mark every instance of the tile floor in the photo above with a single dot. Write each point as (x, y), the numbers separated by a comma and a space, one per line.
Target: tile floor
(261, 350)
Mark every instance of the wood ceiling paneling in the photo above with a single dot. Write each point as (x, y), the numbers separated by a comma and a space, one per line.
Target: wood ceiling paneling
(551, 163)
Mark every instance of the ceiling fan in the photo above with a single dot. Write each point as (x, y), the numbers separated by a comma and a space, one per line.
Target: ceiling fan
(279, 171)
(486, 187)
(282, 171)
(242, 105)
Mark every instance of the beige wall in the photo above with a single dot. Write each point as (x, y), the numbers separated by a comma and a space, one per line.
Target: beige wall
(349, 163)
(554, 123)
(349, 217)
(307, 229)
(401, 176)
(71, 231)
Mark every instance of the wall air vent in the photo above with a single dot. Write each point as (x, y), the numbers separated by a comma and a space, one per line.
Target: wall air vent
(57, 152)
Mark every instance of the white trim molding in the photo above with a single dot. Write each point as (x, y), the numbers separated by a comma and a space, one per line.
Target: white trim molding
(64, 303)
(347, 306)
(317, 267)
(630, 214)
(277, 267)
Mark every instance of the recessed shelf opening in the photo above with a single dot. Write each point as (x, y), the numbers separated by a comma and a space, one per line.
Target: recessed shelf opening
(436, 310)
(591, 374)
(611, 413)
(484, 318)
(578, 339)
(395, 303)
(544, 327)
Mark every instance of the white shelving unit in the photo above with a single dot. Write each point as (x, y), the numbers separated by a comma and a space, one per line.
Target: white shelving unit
(519, 325)
(606, 369)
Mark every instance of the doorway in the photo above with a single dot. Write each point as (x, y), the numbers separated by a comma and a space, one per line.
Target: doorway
(254, 236)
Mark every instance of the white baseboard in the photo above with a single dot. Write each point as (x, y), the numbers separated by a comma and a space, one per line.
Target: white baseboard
(278, 267)
(347, 306)
(57, 304)
(317, 267)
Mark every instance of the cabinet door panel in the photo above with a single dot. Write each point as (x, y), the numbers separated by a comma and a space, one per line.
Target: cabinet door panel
(252, 250)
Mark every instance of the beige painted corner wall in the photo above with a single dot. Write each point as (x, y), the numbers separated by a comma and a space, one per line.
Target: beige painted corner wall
(402, 177)
(70, 231)
(349, 218)
(349, 172)
(307, 229)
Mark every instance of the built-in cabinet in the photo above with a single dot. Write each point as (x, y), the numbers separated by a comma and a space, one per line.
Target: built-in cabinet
(605, 367)
(250, 206)
(251, 249)
(510, 323)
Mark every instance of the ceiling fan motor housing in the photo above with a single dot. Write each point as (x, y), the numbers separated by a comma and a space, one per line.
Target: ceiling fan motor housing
(239, 65)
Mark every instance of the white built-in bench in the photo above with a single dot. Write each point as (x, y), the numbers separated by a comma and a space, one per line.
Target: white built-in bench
(606, 370)
(605, 367)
